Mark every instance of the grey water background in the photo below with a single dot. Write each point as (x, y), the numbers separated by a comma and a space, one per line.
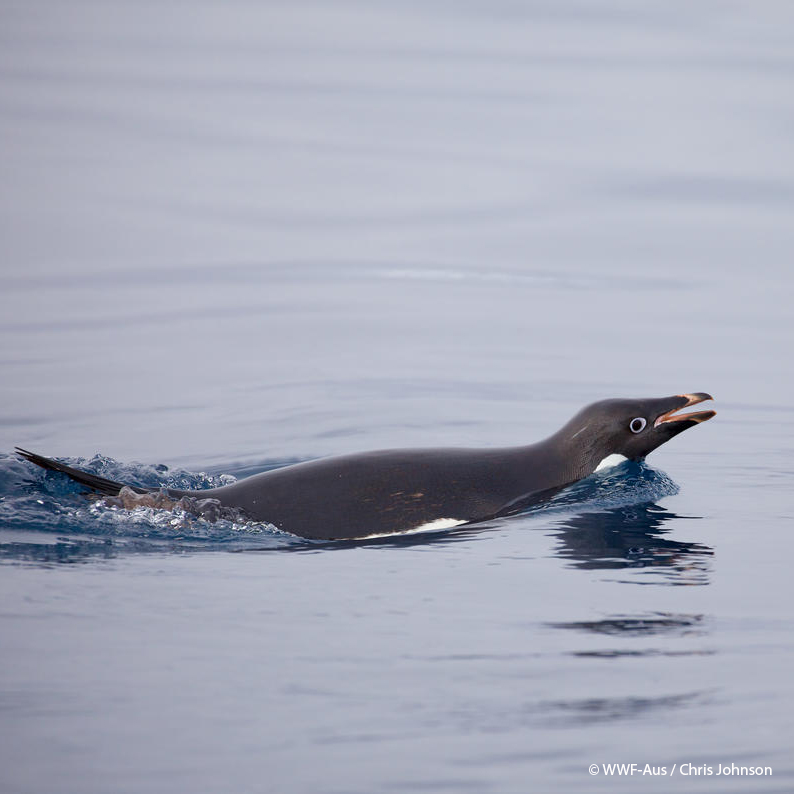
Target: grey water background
(238, 235)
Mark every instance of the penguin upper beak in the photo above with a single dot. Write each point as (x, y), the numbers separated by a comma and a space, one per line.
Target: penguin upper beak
(684, 401)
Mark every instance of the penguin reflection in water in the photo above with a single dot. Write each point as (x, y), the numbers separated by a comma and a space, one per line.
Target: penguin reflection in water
(407, 490)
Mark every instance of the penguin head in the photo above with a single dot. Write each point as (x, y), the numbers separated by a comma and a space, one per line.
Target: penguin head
(631, 428)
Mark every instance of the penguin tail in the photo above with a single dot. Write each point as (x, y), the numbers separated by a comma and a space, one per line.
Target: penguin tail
(92, 481)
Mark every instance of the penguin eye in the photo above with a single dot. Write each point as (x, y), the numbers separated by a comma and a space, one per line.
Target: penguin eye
(637, 425)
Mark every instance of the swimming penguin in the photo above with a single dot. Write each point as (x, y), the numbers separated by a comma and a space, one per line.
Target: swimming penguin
(402, 490)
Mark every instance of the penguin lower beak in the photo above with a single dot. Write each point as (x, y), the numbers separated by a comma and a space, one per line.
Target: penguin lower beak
(685, 401)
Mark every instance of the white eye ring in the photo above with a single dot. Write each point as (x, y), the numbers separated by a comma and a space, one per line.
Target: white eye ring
(637, 425)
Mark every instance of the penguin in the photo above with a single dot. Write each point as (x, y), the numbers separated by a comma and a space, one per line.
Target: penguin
(396, 491)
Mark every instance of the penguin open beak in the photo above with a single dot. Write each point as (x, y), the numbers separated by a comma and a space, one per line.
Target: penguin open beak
(684, 401)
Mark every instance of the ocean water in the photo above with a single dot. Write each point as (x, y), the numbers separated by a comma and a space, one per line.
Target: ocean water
(236, 236)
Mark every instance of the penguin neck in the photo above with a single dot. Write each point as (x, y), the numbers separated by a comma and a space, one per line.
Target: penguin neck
(555, 462)
(578, 452)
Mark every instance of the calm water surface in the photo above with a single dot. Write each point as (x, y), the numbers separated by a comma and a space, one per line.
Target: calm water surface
(239, 235)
